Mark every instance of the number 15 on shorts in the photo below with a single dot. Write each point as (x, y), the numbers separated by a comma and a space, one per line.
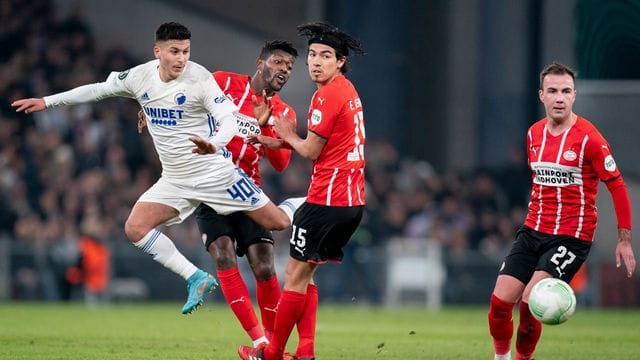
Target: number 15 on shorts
(298, 238)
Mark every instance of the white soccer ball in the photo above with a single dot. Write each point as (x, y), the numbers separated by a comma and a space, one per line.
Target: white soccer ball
(552, 301)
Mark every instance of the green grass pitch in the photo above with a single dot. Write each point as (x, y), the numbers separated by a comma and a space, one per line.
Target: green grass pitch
(159, 331)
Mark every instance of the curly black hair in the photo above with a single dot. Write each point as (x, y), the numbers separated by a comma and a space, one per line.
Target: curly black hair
(324, 33)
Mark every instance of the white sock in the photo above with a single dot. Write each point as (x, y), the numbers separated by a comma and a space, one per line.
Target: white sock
(290, 205)
(165, 252)
(506, 356)
(259, 341)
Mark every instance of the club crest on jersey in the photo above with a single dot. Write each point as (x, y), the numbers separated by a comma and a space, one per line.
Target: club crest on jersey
(316, 117)
(123, 75)
(609, 163)
(180, 98)
(569, 155)
(220, 99)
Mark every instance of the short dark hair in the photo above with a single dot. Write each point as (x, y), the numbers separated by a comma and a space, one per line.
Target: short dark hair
(172, 31)
(270, 46)
(341, 42)
(556, 68)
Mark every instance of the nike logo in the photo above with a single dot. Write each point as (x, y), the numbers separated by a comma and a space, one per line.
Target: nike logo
(202, 287)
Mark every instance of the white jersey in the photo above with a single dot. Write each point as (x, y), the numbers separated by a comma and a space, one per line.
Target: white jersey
(191, 105)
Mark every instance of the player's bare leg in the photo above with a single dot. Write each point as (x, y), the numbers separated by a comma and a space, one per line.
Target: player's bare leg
(273, 217)
(140, 229)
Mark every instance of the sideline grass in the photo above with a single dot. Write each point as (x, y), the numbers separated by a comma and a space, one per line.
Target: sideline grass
(159, 331)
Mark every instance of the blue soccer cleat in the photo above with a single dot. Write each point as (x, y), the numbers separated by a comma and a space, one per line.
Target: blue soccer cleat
(198, 285)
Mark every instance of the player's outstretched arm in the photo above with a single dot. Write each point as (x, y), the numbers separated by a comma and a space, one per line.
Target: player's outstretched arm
(203, 147)
(624, 251)
(29, 105)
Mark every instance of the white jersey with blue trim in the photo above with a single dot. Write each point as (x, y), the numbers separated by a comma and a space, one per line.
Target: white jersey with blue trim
(192, 105)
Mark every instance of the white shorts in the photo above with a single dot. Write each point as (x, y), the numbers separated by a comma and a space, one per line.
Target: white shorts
(224, 195)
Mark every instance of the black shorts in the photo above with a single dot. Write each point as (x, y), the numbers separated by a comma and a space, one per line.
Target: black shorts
(559, 255)
(320, 232)
(238, 226)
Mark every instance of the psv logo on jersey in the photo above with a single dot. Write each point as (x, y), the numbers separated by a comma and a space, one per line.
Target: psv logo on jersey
(569, 155)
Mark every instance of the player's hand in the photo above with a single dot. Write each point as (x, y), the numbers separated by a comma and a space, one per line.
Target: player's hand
(29, 105)
(624, 251)
(266, 141)
(142, 121)
(284, 127)
(262, 110)
(203, 147)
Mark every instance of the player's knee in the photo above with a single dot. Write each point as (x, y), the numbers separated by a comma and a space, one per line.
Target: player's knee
(224, 259)
(223, 252)
(263, 271)
(225, 262)
(135, 231)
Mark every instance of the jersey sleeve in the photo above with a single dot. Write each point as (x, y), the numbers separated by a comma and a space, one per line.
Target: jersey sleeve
(599, 155)
(323, 115)
(621, 202)
(117, 84)
(222, 109)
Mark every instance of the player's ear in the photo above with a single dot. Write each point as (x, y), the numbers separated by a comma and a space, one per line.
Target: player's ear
(156, 51)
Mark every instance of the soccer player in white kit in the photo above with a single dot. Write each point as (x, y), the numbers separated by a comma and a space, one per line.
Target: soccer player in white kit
(184, 106)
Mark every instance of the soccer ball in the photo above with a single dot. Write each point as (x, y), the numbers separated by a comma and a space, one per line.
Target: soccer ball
(552, 301)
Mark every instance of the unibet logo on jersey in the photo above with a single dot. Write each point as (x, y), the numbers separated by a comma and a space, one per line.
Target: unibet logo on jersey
(552, 174)
(162, 116)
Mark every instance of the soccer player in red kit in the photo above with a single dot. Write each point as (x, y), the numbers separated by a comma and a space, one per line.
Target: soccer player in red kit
(323, 225)
(568, 157)
(226, 236)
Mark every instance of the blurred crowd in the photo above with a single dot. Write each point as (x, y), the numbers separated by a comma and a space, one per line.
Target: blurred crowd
(73, 172)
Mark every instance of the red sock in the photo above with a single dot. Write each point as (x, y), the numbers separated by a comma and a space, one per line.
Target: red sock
(529, 332)
(501, 324)
(268, 294)
(289, 311)
(307, 324)
(237, 296)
